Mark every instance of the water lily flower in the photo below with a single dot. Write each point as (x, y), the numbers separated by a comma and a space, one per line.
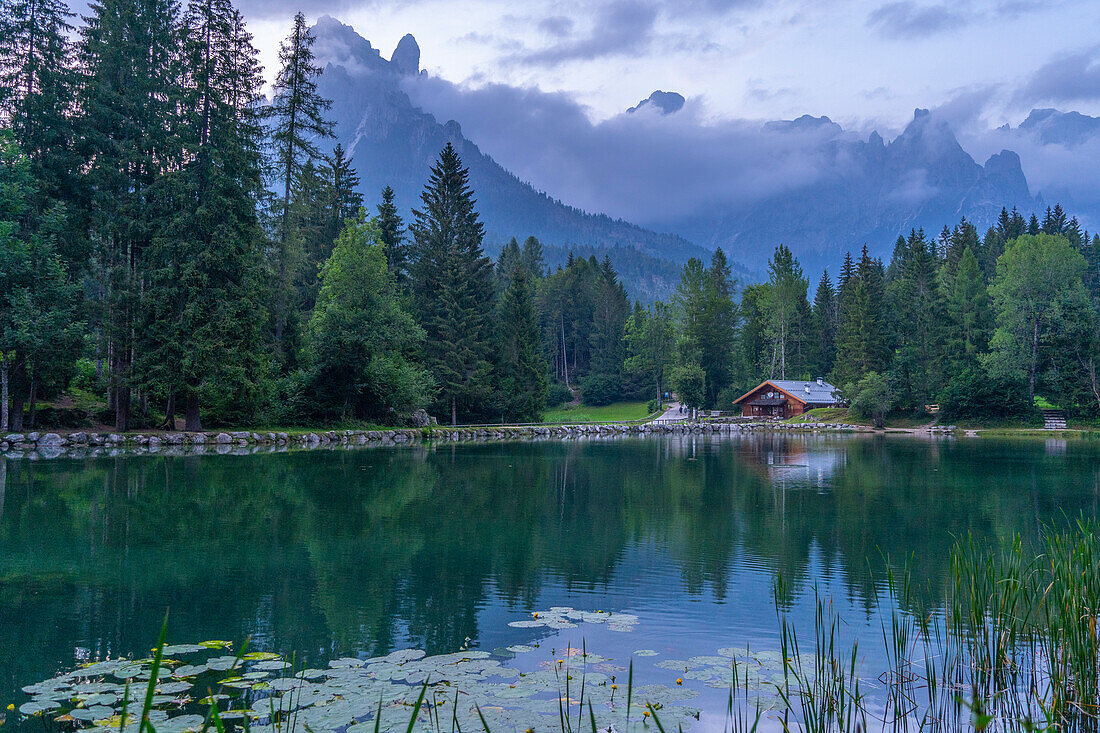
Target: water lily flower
(680, 680)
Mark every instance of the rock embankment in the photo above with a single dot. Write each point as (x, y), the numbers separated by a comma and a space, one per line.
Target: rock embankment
(85, 443)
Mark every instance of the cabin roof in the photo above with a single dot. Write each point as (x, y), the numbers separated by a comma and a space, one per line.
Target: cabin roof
(808, 392)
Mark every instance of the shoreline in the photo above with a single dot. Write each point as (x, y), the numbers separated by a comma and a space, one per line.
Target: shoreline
(84, 444)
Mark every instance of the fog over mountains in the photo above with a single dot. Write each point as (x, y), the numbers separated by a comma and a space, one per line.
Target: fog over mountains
(662, 180)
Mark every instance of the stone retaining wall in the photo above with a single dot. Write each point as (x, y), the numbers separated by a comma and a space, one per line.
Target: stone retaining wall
(81, 443)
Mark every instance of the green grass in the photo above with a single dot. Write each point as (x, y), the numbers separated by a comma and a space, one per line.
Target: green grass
(618, 412)
(824, 415)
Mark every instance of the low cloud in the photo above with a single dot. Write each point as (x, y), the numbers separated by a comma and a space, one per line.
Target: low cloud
(908, 20)
(1067, 79)
(650, 169)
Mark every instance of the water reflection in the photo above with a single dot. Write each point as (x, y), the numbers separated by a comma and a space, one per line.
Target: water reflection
(361, 551)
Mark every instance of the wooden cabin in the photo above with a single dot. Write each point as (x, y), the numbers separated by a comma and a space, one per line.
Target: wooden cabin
(783, 398)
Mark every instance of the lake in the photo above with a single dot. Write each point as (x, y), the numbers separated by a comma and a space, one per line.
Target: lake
(360, 552)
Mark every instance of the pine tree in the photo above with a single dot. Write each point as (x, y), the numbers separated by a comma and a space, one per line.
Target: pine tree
(299, 114)
(824, 325)
(914, 298)
(862, 345)
(129, 99)
(202, 299)
(968, 316)
(533, 260)
(521, 372)
(37, 83)
(786, 312)
(453, 288)
(40, 329)
(392, 232)
(707, 316)
(507, 263)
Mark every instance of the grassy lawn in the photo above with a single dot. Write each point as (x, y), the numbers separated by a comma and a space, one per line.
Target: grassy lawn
(618, 412)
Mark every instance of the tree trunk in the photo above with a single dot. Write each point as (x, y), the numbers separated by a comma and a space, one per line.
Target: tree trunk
(454, 411)
(191, 420)
(3, 483)
(1033, 365)
(33, 400)
(16, 417)
(4, 369)
(170, 413)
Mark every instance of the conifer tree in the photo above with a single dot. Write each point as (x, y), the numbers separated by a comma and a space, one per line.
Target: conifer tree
(37, 83)
(967, 305)
(533, 259)
(824, 325)
(521, 372)
(129, 98)
(40, 329)
(650, 342)
(861, 338)
(914, 298)
(392, 232)
(786, 314)
(299, 118)
(201, 303)
(453, 288)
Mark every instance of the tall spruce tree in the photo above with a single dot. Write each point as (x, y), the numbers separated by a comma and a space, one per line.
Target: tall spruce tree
(533, 259)
(521, 372)
(862, 345)
(37, 84)
(824, 325)
(129, 99)
(915, 301)
(298, 111)
(392, 231)
(786, 314)
(453, 288)
(967, 306)
(202, 298)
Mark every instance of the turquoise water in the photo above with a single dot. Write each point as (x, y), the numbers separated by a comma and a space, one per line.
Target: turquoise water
(332, 553)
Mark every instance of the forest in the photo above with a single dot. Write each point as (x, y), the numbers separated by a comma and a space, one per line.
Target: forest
(179, 247)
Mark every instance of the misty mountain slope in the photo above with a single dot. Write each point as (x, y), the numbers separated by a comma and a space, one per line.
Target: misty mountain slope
(870, 192)
(392, 142)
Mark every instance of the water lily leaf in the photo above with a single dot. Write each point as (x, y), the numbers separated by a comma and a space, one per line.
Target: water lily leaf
(177, 649)
(521, 648)
(215, 644)
(190, 670)
(646, 653)
(98, 712)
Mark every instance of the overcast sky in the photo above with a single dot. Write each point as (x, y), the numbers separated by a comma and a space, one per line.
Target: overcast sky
(865, 64)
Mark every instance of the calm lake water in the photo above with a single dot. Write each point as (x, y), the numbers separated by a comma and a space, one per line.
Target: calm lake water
(360, 552)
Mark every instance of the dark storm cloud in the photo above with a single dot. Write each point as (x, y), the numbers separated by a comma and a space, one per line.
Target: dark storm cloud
(909, 20)
(1072, 78)
(619, 27)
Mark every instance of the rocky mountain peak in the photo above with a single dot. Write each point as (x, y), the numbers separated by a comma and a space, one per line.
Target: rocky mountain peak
(406, 57)
(665, 102)
(339, 44)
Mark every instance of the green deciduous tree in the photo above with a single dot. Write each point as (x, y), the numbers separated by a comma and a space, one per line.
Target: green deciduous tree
(1038, 285)
(361, 342)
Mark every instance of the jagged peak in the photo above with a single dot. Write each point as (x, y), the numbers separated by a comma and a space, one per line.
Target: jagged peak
(338, 44)
(406, 57)
(666, 102)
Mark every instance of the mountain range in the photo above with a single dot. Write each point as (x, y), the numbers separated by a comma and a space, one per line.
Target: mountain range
(850, 191)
